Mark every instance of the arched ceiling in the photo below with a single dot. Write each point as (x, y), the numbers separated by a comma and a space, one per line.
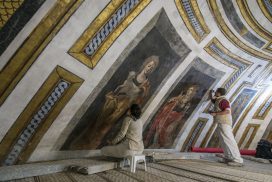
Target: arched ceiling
(59, 58)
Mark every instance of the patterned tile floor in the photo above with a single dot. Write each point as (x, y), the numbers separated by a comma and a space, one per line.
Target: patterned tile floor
(170, 170)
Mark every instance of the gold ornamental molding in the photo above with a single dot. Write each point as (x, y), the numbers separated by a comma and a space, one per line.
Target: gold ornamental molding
(193, 19)
(262, 78)
(226, 57)
(105, 29)
(253, 23)
(208, 135)
(7, 9)
(230, 35)
(268, 47)
(264, 9)
(194, 134)
(240, 88)
(245, 113)
(39, 114)
(260, 90)
(31, 48)
(264, 108)
(248, 135)
(269, 137)
(225, 51)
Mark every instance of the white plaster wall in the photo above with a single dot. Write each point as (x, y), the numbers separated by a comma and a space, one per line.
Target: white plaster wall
(259, 16)
(244, 21)
(236, 33)
(108, 59)
(56, 54)
(45, 147)
(249, 120)
(10, 111)
(23, 34)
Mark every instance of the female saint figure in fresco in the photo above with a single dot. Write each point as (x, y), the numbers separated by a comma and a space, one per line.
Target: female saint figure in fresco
(168, 121)
(133, 91)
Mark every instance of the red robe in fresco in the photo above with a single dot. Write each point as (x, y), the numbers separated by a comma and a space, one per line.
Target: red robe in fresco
(163, 128)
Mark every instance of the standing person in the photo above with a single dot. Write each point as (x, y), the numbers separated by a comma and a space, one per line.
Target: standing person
(129, 139)
(222, 116)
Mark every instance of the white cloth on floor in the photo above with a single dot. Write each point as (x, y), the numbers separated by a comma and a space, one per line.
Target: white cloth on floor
(228, 143)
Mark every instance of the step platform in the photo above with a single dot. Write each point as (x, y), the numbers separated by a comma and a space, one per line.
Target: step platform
(84, 166)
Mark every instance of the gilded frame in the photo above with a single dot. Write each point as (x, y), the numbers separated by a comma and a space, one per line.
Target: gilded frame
(10, 11)
(77, 49)
(248, 108)
(204, 120)
(253, 23)
(231, 36)
(187, 22)
(269, 137)
(268, 46)
(240, 88)
(218, 58)
(230, 54)
(32, 47)
(255, 116)
(256, 127)
(208, 135)
(264, 10)
(33, 106)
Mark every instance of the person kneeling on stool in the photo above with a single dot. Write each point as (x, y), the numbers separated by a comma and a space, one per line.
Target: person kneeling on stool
(128, 141)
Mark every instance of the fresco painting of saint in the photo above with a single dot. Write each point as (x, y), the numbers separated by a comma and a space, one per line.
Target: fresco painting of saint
(133, 90)
(169, 119)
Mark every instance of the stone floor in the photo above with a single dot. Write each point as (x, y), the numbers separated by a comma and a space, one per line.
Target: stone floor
(170, 170)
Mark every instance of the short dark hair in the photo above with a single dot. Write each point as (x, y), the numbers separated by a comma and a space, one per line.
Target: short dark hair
(222, 91)
(135, 111)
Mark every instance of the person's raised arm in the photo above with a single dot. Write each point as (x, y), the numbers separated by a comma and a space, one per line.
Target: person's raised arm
(211, 96)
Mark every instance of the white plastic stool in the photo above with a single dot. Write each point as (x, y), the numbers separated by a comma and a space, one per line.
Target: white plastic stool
(134, 160)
